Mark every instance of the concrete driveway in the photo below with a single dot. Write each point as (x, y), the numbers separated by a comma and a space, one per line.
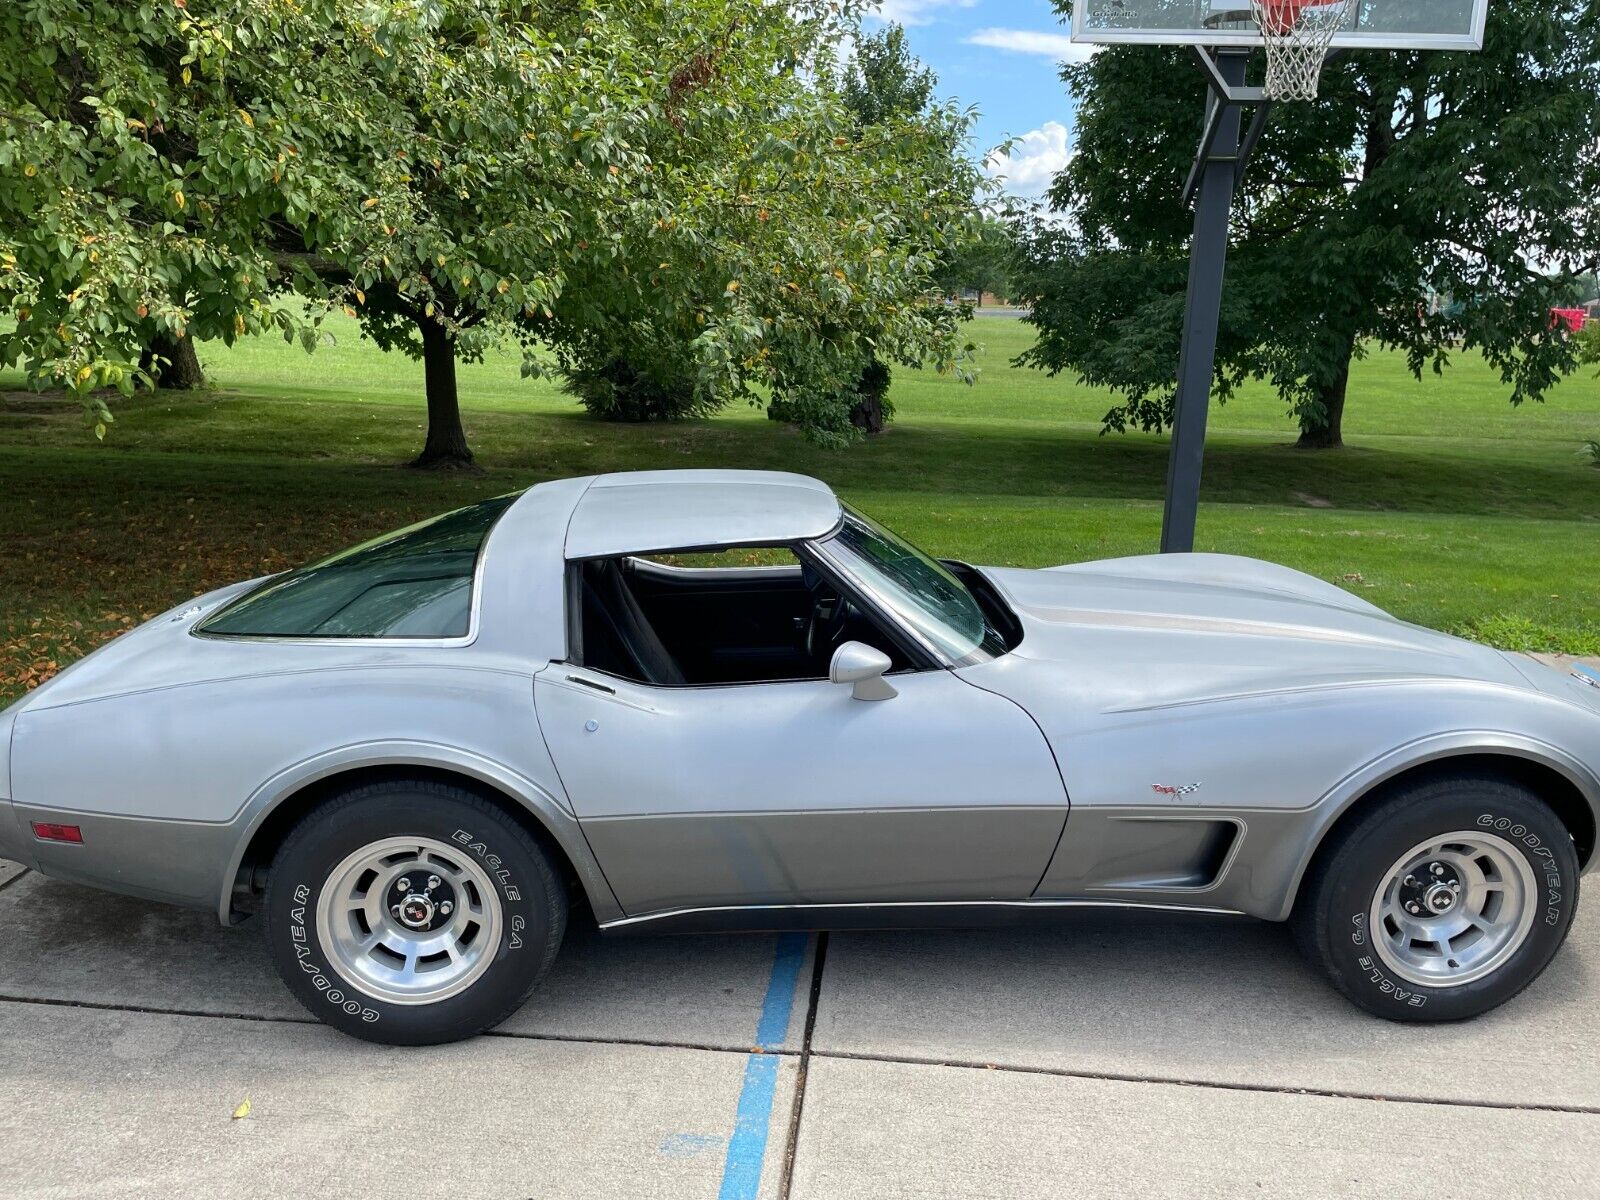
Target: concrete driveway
(1111, 1054)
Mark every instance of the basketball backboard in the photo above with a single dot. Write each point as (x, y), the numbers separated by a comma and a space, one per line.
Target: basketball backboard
(1370, 24)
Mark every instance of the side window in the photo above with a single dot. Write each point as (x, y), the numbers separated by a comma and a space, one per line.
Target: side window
(731, 558)
(753, 614)
(413, 583)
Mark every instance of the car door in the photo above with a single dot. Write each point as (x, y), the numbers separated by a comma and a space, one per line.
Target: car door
(793, 792)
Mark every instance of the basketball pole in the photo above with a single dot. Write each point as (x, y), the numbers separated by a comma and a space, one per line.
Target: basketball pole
(1218, 167)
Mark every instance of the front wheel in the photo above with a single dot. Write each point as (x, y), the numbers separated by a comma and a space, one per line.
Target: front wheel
(412, 913)
(1443, 902)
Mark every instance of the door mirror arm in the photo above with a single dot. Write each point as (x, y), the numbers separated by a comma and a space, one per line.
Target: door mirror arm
(863, 668)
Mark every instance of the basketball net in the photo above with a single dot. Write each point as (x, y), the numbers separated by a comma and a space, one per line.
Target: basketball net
(1297, 34)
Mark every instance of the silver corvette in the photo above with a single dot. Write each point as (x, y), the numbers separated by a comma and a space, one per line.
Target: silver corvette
(692, 700)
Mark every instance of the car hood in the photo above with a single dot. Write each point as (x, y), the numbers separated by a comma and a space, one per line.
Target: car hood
(1183, 628)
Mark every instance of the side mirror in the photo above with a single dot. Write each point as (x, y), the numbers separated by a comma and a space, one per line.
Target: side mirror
(862, 668)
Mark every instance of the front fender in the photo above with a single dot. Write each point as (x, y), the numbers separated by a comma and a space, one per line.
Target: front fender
(1426, 752)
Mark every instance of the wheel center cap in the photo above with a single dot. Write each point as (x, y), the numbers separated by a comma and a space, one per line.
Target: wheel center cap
(416, 912)
(1439, 898)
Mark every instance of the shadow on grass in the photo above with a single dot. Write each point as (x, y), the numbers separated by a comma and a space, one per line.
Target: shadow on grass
(1072, 463)
(938, 457)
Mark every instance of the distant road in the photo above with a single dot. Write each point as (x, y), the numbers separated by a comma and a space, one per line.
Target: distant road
(997, 310)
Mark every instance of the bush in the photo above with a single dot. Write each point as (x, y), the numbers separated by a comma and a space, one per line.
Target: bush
(837, 418)
(1588, 341)
(1592, 449)
(617, 388)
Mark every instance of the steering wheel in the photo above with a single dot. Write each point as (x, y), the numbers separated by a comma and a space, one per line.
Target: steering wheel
(825, 627)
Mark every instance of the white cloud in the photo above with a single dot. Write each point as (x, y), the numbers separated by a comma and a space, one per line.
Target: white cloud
(1029, 41)
(915, 12)
(1035, 159)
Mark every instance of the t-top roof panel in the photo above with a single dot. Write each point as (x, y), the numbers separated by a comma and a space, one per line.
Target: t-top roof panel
(636, 512)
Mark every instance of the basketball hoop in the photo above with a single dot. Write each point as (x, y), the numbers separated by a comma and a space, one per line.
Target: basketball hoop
(1297, 34)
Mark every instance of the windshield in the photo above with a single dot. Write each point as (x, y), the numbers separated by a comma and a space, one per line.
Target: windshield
(919, 590)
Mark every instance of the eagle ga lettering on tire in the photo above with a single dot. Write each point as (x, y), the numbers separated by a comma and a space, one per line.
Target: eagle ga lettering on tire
(1375, 973)
(1388, 986)
(490, 860)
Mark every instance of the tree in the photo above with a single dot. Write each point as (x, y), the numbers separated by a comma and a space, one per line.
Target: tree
(454, 174)
(130, 196)
(171, 362)
(430, 166)
(985, 263)
(1474, 176)
(792, 245)
(884, 85)
(497, 147)
(1588, 343)
(884, 82)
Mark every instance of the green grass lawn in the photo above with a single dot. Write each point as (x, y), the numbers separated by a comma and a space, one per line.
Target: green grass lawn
(1448, 507)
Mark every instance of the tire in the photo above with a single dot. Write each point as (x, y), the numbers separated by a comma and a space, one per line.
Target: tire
(1348, 920)
(469, 913)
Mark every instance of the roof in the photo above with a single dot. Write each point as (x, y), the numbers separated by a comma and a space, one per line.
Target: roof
(639, 511)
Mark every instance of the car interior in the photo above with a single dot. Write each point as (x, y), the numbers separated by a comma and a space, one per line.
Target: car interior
(674, 625)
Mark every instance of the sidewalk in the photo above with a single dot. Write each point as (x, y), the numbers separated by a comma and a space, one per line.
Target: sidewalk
(1110, 1054)
(1565, 662)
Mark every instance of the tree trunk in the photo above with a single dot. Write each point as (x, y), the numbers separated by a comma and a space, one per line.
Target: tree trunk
(1325, 431)
(181, 369)
(868, 414)
(446, 448)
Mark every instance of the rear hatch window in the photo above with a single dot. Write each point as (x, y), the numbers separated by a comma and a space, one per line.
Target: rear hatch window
(413, 583)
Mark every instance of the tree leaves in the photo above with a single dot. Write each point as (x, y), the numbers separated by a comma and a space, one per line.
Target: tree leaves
(471, 163)
(792, 237)
(1427, 201)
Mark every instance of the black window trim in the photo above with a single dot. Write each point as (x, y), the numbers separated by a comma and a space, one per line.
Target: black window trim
(474, 604)
(920, 656)
(926, 648)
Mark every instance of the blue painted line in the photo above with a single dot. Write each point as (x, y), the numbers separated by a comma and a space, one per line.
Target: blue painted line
(687, 1145)
(789, 957)
(747, 1147)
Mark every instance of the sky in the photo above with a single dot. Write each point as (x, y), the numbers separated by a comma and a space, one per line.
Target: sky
(1003, 57)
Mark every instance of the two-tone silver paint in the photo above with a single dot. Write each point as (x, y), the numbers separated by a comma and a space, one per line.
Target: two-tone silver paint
(1061, 773)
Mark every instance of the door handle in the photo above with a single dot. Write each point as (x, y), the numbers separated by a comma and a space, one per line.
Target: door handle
(590, 683)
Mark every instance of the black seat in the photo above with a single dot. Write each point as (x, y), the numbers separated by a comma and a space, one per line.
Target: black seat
(607, 589)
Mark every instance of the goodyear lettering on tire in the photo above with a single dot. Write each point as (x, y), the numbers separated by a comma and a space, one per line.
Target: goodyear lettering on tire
(1544, 860)
(319, 977)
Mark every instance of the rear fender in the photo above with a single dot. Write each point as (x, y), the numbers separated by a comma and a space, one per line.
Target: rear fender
(546, 806)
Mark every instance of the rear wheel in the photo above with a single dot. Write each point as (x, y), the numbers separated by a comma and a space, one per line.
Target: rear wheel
(412, 913)
(1443, 902)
